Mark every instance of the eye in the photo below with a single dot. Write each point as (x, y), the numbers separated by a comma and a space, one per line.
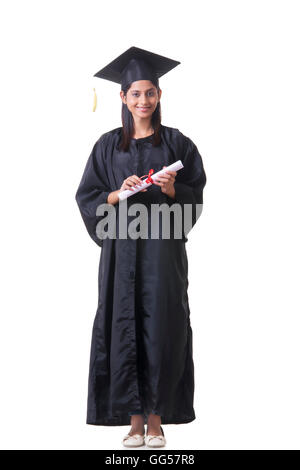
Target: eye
(150, 93)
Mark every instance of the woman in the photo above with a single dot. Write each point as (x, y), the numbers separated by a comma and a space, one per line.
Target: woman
(141, 364)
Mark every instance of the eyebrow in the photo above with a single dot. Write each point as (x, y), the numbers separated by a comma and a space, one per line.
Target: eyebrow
(146, 90)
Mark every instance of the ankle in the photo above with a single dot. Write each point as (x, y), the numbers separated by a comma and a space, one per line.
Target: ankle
(156, 431)
(137, 429)
(154, 421)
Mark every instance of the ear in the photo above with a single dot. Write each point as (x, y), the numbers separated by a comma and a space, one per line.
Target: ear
(123, 97)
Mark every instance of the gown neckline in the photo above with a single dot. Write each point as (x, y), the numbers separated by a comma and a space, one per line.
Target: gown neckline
(143, 138)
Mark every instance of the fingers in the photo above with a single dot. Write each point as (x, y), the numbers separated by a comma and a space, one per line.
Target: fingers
(170, 172)
(132, 181)
(159, 182)
(166, 178)
(135, 180)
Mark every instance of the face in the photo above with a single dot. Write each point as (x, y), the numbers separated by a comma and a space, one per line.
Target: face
(141, 98)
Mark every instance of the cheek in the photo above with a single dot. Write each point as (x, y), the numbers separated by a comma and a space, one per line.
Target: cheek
(154, 102)
(131, 104)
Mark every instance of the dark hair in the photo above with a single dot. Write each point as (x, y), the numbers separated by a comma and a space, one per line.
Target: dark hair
(128, 123)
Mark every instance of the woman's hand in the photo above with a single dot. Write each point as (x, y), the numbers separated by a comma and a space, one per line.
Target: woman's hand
(166, 183)
(131, 181)
(113, 197)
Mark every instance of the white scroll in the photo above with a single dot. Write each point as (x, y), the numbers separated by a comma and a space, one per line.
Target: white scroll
(127, 192)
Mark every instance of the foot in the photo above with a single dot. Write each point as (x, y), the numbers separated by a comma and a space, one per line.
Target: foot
(155, 440)
(135, 430)
(135, 440)
(154, 431)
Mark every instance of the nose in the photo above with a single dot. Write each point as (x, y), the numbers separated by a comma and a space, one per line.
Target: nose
(144, 101)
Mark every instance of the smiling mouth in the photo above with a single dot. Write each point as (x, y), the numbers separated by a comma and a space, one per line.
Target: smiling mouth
(143, 107)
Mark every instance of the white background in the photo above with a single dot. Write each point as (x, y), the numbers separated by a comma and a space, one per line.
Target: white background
(236, 95)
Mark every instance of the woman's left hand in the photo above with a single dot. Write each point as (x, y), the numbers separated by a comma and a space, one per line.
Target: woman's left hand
(166, 182)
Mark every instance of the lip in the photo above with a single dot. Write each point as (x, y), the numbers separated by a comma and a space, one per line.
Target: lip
(143, 108)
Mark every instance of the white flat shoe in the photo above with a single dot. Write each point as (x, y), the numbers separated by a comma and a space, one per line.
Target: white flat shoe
(156, 441)
(135, 440)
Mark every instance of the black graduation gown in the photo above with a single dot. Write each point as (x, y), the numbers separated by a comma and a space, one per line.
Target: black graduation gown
(141, 353)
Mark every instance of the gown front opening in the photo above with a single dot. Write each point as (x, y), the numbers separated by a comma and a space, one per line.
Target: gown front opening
(141, 355)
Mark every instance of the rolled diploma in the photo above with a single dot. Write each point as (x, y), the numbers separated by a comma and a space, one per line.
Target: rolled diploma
(127, 193)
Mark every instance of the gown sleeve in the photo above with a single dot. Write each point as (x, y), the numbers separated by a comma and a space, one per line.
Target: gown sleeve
(191, 179)
(93, 189)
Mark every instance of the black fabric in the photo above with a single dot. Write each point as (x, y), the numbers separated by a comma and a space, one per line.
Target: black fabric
(141, 350)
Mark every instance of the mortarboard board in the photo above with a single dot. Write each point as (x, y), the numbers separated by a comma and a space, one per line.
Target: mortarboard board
(135, 64)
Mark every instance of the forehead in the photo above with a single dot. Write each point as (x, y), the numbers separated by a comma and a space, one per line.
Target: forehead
(141, 85)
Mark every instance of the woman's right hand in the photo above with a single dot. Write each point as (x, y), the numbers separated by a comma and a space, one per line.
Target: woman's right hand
(113, 197)
(131, 181)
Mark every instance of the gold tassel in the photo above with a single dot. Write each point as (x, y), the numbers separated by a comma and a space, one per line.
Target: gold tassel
(95, 100)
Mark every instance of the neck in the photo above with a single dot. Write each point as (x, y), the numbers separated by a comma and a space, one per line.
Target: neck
(142, 129)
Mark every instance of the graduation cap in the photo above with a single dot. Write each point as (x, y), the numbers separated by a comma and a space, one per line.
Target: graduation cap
(135, 64)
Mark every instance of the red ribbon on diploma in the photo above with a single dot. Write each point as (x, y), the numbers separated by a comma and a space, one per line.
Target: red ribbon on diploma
(149, 179)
